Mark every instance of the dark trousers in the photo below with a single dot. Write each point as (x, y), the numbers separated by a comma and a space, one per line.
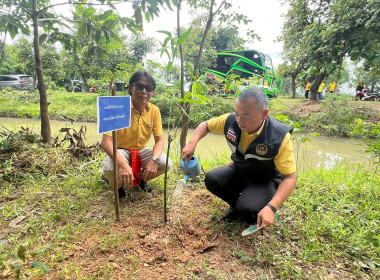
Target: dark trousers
(246, 194)
(307, 94)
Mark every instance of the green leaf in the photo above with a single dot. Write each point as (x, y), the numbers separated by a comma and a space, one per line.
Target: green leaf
(169, 67)
(21, 253)
(165, 32)
(41, 265)
(43, 249)
(138, 17)
(105, 15)
(191, 68)
(147, 17)
(97, 36)
(82, 29)
(184, 36)
(43, 37)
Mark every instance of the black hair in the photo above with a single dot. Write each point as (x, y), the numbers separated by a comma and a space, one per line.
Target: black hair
(141, 73)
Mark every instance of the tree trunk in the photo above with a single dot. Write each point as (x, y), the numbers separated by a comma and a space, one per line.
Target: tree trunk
(84, 80)
(45, 123)
(185, 118)
(315, 86)
(338, 75)
(208, 26)
(293, 86)
(184, 105)
(3, 43)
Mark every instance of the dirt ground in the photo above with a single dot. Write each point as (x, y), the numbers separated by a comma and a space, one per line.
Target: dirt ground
(188, 246)
(193, 244)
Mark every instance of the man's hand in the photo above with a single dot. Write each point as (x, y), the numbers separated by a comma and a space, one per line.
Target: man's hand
(200, 132)
(265, 217)
(188, 151)
(150, 170)
(125, 175)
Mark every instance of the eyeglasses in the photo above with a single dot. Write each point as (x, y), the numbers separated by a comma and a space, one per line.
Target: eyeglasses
(140, 86)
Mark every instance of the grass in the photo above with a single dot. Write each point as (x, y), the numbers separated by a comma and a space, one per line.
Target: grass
(333, 116)
(50, 198)
(331, 219)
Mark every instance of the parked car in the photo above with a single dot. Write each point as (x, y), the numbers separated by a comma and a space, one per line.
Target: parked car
(18, 81)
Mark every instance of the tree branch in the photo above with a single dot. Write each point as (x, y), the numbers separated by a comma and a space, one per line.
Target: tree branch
(22, 8)
(73, 3)
(217, 10)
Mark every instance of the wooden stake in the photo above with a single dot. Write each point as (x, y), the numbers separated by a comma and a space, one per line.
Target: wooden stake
(115, 176)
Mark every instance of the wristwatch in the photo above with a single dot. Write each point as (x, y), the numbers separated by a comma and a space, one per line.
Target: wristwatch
(156, 159)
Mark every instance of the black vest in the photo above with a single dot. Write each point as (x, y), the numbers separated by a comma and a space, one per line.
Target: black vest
(258, 160)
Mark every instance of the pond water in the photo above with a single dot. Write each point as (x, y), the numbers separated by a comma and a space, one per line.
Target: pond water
(320, 152)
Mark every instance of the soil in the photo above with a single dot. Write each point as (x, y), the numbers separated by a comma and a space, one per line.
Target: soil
(193, 244)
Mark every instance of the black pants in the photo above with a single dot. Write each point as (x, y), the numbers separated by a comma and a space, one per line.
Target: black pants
(247, 194)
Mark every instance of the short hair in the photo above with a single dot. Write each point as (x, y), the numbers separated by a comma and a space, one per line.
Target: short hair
(257, 94)
(141, 73)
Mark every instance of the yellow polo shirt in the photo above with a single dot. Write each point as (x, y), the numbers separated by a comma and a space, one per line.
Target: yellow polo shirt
(321, 87)
(308, 86)
(332, 86)
(284, 161)
(142, 127)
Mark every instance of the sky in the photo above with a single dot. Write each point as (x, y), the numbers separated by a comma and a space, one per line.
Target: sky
(266, 22)
(266, 16)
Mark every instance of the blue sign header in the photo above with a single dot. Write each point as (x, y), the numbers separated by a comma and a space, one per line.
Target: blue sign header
(114, 112)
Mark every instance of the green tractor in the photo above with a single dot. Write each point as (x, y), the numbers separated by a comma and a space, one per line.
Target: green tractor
(248, 65)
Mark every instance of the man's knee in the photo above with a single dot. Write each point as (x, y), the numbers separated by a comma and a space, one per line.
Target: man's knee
(162, 165)
(210, 180)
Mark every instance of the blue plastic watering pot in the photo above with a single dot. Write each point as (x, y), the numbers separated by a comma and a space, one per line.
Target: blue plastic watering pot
(190, 167)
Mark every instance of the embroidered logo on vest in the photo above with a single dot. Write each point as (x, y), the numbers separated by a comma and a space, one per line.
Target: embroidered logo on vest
(231, 134)
(261, 149)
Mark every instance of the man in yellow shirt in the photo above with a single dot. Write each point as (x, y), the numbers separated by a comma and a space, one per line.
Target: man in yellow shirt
(320, 90)
(332, 86)
(263, 172)
(360, 86)
(145, 121)
(307, 89)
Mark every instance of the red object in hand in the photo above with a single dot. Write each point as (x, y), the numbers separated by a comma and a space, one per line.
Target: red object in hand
(136, 166)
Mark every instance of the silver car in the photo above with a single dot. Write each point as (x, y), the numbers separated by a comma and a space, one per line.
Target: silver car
(16, 81)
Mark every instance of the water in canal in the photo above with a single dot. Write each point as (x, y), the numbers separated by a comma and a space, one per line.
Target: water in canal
(320, 152)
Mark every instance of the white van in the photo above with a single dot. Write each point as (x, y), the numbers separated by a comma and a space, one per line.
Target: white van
(18, 81)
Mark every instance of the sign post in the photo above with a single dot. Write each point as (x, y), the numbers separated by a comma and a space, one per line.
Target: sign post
(114, 112)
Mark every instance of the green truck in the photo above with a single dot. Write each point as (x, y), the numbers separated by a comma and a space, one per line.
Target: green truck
(244, 64)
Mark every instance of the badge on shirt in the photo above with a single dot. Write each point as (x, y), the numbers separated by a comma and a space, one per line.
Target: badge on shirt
(149, 125)
(261, 149)
(231, 134)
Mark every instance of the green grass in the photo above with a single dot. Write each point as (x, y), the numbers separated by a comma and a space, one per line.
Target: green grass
(331, 218)
(52, 198)
(335, 118)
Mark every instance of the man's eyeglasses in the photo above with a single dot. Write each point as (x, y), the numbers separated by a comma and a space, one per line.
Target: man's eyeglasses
(139, 86)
